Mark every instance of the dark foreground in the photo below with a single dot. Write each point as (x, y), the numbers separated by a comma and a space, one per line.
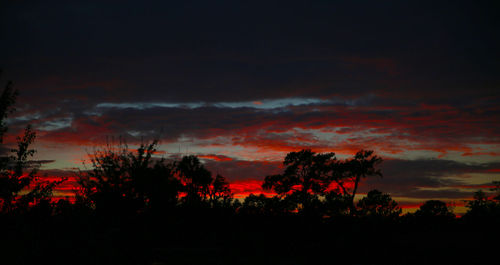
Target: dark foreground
(226, 238)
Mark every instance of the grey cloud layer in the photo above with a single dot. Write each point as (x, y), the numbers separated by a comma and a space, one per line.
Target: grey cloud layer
(429, 129)
(407, 177)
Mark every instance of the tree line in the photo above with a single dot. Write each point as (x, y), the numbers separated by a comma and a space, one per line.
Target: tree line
(132, 207)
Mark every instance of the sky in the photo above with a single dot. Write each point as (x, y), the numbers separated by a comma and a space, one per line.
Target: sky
(242, 84)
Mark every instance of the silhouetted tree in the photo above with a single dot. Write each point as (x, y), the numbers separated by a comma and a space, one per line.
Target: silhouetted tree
(220, 192)
(308, 175)
(124, 181)
(7, 100)
(158, 186)
(13, 179)
(337, 204)
(434, 208)
(362, 165)
(262, 205)
(482, 206)
(10, 184)
(13, 175)
(496, 188)
(200, 186)
(305, 177)
(378, 204)
(253, 204)
(195, 178)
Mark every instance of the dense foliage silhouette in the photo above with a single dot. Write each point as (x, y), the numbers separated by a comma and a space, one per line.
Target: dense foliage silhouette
(378, 204)
(305, 178)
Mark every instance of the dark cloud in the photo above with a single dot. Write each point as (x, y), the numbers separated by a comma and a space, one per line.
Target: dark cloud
(230, 51)
(426, 178)
(41, 162)
(241, 170)
(4, 151)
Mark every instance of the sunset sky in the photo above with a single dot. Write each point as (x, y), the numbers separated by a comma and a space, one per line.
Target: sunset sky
(241, 85)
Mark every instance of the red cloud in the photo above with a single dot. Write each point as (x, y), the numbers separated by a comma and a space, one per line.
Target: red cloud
(243, 188)
(481, 153)
(216, 157)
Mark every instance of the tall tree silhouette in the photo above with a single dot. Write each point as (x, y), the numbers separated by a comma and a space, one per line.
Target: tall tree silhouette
(17, 172)
(12, 176)
(305, 177)
(362, 165)
(199, 185)
(9, 184)
(7, 100)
